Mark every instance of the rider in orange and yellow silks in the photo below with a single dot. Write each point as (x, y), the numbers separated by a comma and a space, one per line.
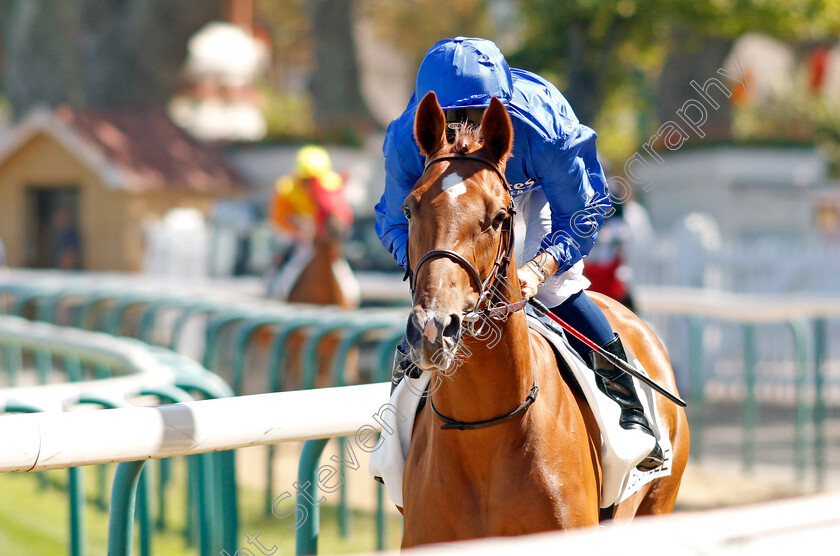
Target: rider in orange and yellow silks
(310, 202)
(307, 205)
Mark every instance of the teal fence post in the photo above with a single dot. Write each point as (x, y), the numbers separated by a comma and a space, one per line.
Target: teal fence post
(820, 357)
(121, 514)
(86, 308)
(306, 536)
(343, 512)
(194, 463)
(76, 492)
(309, 354)
(241, 343)
(750, 411)
(801, 332)
(380, 516)
(214, 331)
(73, 368)
(143, 519)
(46, 307)
(43, 365)
(14, 362)
(181, 321)
(230, 517)
(208, 532)
(113, 322)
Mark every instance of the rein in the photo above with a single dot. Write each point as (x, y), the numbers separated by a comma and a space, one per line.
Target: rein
(487, 288)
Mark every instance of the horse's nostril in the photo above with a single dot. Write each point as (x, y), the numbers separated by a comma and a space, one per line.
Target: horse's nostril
(412, 331)
(453, 329)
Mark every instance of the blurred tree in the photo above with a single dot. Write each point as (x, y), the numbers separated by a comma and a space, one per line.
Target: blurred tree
(413, 26)
(336, 81)
(593, 46)
(104, 53)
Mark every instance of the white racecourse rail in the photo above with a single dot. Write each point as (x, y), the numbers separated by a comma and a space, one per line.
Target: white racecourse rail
(808, 525)
(42, 441)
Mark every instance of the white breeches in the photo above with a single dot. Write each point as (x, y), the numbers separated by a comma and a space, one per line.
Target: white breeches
(536, 218)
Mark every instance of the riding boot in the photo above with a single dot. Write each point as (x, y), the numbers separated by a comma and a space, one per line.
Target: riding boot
(619, 387)
(402, 365)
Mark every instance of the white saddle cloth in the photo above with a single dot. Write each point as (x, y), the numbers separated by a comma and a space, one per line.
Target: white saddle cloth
(621, 450)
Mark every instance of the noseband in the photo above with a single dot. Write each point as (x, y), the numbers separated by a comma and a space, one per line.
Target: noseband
(492, 284)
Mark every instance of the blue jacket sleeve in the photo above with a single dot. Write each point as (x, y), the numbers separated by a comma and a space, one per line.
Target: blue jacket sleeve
(391, 224)
(576, 189)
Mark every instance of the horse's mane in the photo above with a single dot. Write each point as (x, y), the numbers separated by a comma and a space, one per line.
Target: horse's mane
(467, 137)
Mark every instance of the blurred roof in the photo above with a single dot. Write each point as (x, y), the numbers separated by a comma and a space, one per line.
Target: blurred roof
(134, 150)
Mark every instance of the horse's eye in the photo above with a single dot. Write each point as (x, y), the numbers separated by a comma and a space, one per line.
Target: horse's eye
(407, 213)
(499, 219)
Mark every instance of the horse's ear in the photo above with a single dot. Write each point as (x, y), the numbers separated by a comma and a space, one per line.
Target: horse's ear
(497, 130)
(430, 125)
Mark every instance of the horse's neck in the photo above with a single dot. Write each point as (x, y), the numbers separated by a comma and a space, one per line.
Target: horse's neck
(318, 282)
(494, 376)
(327, 247)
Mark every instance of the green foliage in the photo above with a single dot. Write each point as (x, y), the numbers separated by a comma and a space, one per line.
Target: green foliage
(288, 116)
(596, 50)
(635, 27)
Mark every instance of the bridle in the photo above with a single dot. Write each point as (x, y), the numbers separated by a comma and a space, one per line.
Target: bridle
(487, 289)
(493, 284)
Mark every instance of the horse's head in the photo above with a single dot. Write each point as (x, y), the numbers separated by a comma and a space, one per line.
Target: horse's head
(460, 220)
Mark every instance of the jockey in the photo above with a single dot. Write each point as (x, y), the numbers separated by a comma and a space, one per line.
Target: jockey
(557, 184)
(310, 202)
(307, 205)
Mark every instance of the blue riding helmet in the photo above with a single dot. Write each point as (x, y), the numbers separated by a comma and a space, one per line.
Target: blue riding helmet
(465, 73)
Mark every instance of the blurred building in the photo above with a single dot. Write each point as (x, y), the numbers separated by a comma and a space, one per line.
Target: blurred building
(751, 192)
(77, 188)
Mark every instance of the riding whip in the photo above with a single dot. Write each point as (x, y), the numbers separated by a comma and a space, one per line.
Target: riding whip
(617, 361)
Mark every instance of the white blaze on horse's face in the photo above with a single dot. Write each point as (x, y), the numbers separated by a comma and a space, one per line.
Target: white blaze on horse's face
(453, 184)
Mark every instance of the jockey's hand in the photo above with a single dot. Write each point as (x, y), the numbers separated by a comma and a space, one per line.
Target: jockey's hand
(529, 282)
(535, 272)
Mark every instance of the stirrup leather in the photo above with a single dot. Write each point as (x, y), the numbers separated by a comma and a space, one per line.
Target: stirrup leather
(618, 386)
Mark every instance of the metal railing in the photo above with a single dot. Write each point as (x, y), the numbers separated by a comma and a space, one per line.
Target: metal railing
(130, 436)
(806, 317)
(232, 323)
(121, 304)
(121, 369)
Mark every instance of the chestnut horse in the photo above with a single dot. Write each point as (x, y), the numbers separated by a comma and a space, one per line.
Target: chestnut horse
(538, 470)
(325, 280)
